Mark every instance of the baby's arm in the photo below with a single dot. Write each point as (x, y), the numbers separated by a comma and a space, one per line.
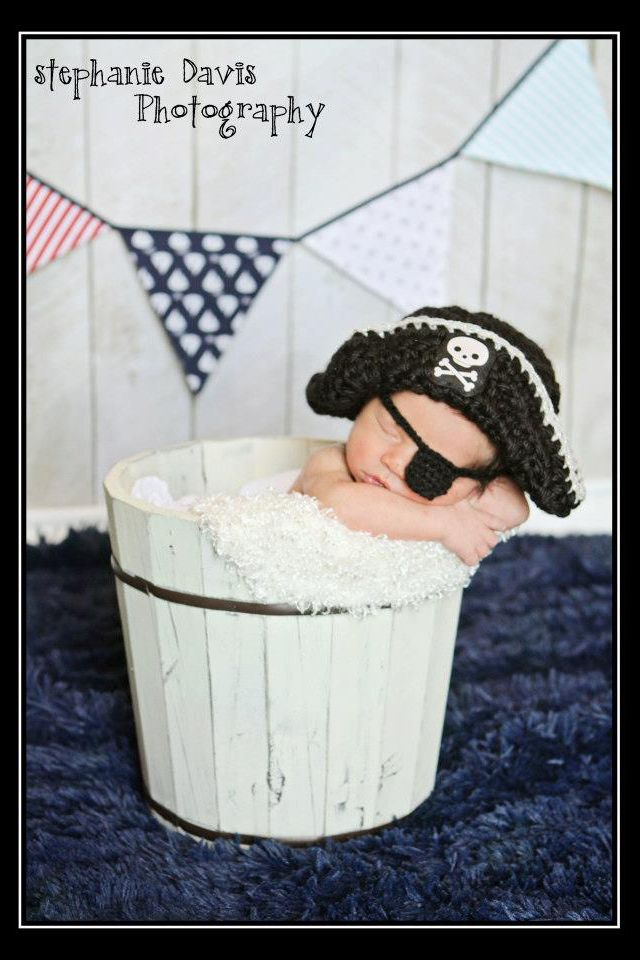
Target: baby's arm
(466, 528)
(365, 507)
(378, 511)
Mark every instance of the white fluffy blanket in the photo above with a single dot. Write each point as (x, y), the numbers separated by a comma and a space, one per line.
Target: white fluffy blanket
(290, 549)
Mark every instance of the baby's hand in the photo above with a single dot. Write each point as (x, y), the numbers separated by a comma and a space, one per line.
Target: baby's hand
(469, 531)
(504, 499)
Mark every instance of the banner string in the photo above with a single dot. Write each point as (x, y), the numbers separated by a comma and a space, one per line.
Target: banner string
(440, 163)
(363, 203)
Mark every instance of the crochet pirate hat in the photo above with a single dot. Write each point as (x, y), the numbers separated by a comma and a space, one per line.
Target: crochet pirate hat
(484, 367)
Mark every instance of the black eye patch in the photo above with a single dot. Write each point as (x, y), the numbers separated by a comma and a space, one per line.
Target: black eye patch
(429, 474)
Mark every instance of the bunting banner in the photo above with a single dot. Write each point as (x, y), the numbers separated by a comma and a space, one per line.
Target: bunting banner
(199, 284)
(398, 244)
(554, 121)
(55, 224)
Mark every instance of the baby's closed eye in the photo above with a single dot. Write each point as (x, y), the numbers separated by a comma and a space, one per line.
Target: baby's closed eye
(390, 428)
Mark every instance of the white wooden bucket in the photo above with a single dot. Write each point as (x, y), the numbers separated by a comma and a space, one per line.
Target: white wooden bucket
(258, 720)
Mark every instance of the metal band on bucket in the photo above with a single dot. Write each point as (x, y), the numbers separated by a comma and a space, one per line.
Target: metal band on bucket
(210, 603)
(247, 838)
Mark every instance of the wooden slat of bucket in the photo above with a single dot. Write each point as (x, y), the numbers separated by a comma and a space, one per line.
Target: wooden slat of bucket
(122, 476)
(183, 468)
(236, 659)
(297, 651)
(140, 633)
(139, 723)
(174, 547)
(278, 455)
(436, 693)
(143, 656)
(359, 657)
(132, 538)
(226, 470)
(185, 675)
(404, 702)
(227, 464)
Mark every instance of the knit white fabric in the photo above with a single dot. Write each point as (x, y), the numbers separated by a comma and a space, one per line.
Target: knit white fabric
(290, 549)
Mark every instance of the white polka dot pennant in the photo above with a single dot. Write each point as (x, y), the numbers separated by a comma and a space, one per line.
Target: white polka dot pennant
(398, 244)
(201, 285)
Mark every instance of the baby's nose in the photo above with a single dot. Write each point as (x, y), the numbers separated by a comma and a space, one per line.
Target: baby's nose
(394, 463)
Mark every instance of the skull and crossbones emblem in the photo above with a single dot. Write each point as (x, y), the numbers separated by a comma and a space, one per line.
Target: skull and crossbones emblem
(467, 352)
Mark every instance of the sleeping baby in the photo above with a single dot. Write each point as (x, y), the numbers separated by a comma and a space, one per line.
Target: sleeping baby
(364, 479)
(455, 415)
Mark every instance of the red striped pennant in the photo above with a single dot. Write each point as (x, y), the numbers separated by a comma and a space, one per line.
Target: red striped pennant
(55, 225)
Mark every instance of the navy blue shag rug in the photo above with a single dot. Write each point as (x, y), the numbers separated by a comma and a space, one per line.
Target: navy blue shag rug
(518, 827)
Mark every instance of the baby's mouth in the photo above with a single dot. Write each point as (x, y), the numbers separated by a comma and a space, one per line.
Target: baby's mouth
(376, 481)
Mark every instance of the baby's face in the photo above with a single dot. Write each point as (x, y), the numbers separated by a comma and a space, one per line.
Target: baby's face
(378, 449)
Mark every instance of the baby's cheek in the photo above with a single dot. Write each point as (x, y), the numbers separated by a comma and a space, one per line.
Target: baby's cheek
(355, 453)
(349, 457)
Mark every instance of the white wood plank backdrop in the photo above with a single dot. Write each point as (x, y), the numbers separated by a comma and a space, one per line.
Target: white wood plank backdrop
(102, 380)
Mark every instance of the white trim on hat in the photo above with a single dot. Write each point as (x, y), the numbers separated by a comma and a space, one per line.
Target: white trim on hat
(549, 416)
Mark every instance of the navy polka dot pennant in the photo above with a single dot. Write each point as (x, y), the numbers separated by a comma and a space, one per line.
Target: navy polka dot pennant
(201, 285)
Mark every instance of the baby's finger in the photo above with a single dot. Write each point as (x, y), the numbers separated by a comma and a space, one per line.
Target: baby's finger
(490, 541)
